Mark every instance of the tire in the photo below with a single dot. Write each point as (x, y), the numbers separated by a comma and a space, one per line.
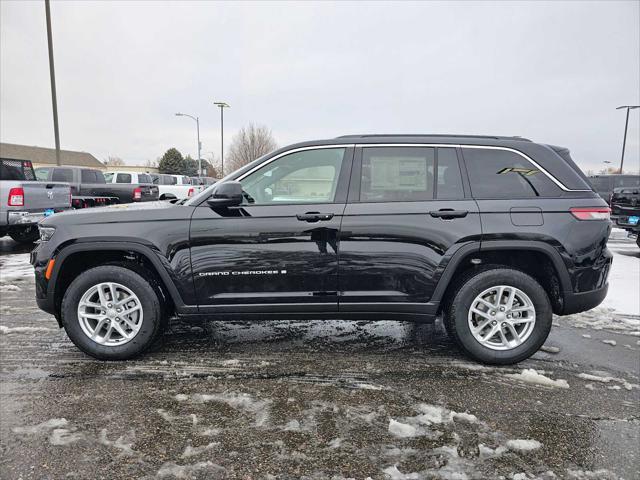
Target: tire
(25, 234)
(528, 293)
(148, 326)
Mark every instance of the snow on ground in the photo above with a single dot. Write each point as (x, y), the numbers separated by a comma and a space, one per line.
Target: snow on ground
(624, 279)
(14, 268)
(529, 375)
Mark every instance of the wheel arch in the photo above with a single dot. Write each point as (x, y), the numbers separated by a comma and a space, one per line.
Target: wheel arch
(78, 257)
(540, 260)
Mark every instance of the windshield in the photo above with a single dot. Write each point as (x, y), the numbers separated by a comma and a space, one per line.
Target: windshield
(206, 193)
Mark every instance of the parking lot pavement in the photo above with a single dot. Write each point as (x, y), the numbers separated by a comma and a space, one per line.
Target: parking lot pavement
(315, 400)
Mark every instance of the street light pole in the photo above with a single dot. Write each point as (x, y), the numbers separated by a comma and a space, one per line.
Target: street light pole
(52, 74)
(626, 126)
(222, 106)
(198, 133)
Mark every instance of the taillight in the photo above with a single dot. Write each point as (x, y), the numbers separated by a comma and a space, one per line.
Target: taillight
(137, 194)
(16, 197)
(591, 213)
(190, 192)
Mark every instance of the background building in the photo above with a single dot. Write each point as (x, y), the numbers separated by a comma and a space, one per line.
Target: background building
(46, 157)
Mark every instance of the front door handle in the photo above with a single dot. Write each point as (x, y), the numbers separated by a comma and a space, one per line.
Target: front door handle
(448, 213)
(314, 217)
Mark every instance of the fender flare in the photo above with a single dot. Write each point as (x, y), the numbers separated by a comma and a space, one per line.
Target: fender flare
(496, 245)
(117, 246)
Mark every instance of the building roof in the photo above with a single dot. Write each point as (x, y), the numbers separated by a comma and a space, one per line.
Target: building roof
(41, 155)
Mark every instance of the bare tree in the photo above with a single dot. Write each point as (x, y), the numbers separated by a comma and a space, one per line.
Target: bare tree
(249, 143)
(113, 161)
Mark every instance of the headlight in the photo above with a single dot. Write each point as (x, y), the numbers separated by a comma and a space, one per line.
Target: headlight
(46, 233)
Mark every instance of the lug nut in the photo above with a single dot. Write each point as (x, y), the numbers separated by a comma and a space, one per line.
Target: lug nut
(109, 305)
(118, 319)
(504, 324)
(494, 322)
(502, 309)
(508, 315)
(118, 310)
(493, 313)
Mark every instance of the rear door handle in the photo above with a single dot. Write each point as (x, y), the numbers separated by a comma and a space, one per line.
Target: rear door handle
(447, 213)
(314, 217)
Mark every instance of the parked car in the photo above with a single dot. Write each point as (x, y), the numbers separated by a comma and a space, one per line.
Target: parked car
(89, 187)
(625, 210)
(145, 191)
(605, 184)
(493, 233)
(173, 187)
(24, 201)
(206, 181)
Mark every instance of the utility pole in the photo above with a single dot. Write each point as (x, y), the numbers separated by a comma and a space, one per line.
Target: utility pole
(222, 106)
(52, 74)
(626, 126)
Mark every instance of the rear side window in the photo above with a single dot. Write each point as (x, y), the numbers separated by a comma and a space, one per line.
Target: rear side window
(449, 184)
(144, 178)
(503, 174)
(88, 176)
(62, 175)
(397, 174)
(42, 174)
(626, 181)
(123, 178)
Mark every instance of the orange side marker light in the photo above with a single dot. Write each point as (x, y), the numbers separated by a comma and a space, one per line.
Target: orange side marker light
(47, 273)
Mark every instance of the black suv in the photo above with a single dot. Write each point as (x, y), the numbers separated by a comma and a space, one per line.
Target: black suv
(494, 233)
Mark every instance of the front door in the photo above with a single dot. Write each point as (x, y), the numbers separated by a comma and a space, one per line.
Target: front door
(279, 249)
(408, 209)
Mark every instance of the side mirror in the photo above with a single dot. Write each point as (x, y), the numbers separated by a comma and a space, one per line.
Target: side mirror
(226, 194)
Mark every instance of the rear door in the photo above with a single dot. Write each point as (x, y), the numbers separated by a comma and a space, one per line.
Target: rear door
(408, 210)
(280, 248)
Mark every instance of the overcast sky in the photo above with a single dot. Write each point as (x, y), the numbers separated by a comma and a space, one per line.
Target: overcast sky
(553, 72)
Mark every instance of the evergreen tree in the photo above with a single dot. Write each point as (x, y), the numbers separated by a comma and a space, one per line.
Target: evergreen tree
(172, 162)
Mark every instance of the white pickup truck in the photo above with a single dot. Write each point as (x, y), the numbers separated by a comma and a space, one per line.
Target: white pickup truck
(174, 186)
(24, 201)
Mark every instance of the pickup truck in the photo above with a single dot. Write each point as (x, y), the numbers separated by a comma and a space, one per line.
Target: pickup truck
(175, 186)
(625, 209)
(146, 190)
(89, 187)
(24, 201)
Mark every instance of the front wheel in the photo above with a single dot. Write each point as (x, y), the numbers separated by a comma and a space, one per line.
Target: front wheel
(499, 316)
(111, 313)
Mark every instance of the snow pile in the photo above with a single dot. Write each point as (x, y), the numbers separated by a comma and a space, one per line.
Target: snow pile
(418, 426)
(62, 436)
(523, 445)
(124, 443)
(238, 401)
(529, 375)
(597, 378)
(190, 451)
(9, 288)
(613, 343)
(41, 427)
(603, 318)
(624, 280)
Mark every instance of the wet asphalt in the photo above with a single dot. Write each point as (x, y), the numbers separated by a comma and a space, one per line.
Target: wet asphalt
(307, 399)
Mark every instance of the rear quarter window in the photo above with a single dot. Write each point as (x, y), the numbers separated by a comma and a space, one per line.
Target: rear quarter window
(495, 174)
(62, 175)
(123, 178)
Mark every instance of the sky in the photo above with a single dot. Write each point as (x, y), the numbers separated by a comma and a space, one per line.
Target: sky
(553, 72)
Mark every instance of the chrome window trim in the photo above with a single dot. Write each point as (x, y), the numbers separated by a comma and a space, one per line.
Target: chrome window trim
(488, 147)
(288, 152)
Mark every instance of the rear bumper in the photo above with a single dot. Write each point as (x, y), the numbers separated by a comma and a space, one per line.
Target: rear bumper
(18, 217)
(583, 301)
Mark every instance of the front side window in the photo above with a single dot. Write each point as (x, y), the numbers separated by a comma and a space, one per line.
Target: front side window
(123, 178)
(144, 178)
(397, 174)
(497, 174)
(309, 176)
(88, 176)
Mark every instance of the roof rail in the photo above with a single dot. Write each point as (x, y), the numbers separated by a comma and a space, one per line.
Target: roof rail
(492, 137)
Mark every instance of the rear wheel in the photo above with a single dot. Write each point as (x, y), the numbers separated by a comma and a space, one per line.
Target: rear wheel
(25, 234)
(112, 313)
(498, 315)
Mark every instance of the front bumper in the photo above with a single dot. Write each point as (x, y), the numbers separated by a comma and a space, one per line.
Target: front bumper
(583, 301)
